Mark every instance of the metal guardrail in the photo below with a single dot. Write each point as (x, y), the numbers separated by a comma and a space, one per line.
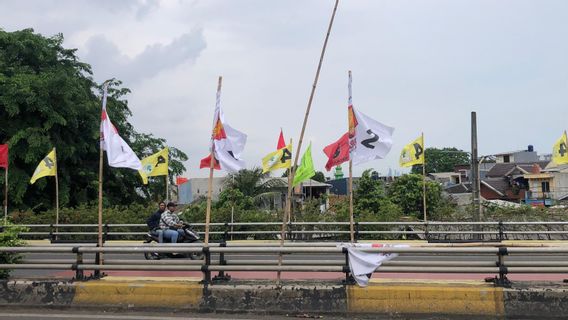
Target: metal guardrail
(313, 231)
(321, 257)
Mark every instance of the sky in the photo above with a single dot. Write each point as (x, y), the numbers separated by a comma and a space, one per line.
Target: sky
(418, 66)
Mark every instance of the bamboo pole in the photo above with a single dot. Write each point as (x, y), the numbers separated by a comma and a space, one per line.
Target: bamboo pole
(56, 194)
(211, 169)
(424, 177)
(99, 256)
(351, 218)
(6, 196)
(293, 168)
(287, 208)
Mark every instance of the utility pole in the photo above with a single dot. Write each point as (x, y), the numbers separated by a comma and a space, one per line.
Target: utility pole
(476, 197)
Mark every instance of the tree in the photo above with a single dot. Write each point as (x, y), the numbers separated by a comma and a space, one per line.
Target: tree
(370, 197)
(49, 99)
(442, 160)
(407, 190)
(252, 182)
(319, 177)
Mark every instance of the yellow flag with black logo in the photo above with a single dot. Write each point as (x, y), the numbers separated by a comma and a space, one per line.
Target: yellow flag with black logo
(279, 159)
(155, 165)
(47, 167)
(560, 150)
(412, 153)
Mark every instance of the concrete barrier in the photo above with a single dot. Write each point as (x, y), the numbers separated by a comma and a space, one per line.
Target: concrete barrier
(463, 298)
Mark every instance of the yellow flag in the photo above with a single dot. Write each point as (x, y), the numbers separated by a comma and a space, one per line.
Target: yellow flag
(412, 153)
(155, 165)
(47, 167)
(560, 150)
(278, 159)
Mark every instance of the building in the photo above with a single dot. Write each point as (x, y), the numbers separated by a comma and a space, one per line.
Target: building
(520, 156)
(547, 186)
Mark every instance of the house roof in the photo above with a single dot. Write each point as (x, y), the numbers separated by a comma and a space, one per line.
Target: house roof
(499, 185)
(307, 183)
(505, 169)
(459, 188)
(444, 175)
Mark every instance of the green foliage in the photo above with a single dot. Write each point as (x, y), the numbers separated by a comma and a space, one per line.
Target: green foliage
(442, 160)
(47, 99)
(319, 177)
(407, 192)
(370, 197)
(9, 238)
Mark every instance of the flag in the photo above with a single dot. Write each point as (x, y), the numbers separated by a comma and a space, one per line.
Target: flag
(279, 159)
(281, 142)
(3, 156)
(119, 154)
(412, 153)
(155, 165)
(306, 168)
(181, 180)
(368, 138)
(560, 150)
(227, 143)
(47, 167)
(337, 152)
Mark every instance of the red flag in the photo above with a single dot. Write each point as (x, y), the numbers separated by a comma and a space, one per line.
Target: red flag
(206, 163)
(3, 156)
(181, 180)
(281, 142)
(337, 152)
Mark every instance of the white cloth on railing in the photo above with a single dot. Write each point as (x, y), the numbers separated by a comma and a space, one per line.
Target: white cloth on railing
(362, 264)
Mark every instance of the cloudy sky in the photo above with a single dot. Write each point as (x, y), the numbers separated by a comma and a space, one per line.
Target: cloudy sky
(417, 66)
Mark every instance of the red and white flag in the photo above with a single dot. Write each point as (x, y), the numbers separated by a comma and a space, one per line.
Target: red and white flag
(337, 152)
(368, 138)
(227, 144)
(119, 154)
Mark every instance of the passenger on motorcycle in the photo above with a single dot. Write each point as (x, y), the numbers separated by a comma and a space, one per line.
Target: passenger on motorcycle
(153, 221)
(171, 224)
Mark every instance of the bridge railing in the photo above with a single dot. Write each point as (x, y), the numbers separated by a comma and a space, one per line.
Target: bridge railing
(317, 231)
(497, 260)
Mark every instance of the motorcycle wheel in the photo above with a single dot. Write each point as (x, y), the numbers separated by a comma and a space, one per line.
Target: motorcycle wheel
(151, 255)
(197, 256)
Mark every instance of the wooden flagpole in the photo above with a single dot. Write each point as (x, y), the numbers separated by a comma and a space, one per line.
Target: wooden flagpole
(350, 181)
(287, 208)
(6, 196)
(99, 255)
(211, 169)
(424, 178)
(309, 106)
(56, 194)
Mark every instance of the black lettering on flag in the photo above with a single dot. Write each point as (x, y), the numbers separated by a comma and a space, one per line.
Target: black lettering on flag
(232, 155)
(160, 160)
(368, 142)
(562, 149)
(417, 150)
(337, 152)
(48, 162)
(286, 155)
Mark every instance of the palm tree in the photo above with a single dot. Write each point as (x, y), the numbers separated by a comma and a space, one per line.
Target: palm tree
(253, 182)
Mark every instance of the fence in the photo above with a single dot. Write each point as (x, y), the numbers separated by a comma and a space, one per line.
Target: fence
(320, 231)
(306, 257)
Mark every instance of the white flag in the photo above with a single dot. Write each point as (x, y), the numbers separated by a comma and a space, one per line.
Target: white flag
(228, 143)
(119, 154)
(368, 138)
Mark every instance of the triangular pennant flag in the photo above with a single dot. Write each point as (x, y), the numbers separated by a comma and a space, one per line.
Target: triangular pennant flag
(306, 169)
(281, 142)
(412, 153)
(47, 167)
(337, 152)
(155, 165)
(560, 150)
(279, 159)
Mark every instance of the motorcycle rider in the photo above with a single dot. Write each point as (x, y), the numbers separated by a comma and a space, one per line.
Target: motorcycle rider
(171, 224)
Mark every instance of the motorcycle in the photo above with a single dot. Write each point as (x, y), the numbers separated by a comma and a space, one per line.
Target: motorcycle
(189, 236)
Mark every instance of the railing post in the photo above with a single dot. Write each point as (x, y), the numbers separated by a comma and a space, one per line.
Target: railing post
(426, 231)
(502, 281)
(348, 278)
(105, 234)
(501, 230)
(290, 230)
(205, 267)
(222, 276)
(52, 236)
(97, 272)
(79, 275)
(356, 231)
